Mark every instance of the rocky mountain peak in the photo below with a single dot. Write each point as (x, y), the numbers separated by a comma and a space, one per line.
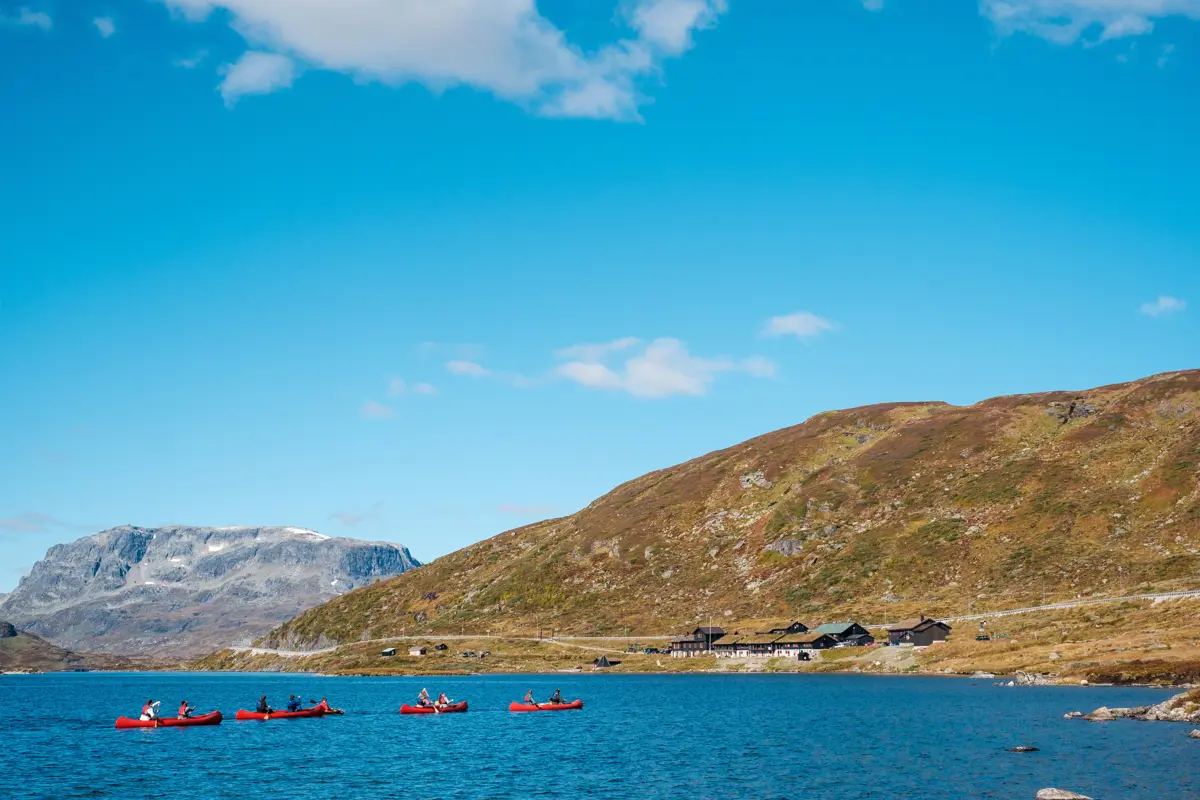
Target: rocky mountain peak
(133, 589)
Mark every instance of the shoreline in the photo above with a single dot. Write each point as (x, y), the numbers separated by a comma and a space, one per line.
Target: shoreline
(998, 681)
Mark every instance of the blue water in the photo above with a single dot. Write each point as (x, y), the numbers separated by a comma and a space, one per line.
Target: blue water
(670, 736)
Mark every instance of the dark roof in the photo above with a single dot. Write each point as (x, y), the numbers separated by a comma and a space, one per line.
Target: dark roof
(833, 628)
(798, 638)
(711, 629)
(916, 625)
(807, 638)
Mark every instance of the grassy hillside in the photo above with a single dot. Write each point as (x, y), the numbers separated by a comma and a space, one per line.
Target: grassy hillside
(23, 652)
(876, 513)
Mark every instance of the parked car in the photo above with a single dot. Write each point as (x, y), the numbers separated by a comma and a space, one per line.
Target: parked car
(983, 637)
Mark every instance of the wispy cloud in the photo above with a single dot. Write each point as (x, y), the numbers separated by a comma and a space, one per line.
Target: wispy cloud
(526, 511)
(873, 5)
(424, 388)
(1165, 55)
(802, 325)
(30, 522)
(1162, 306)
(256, 73)
(663, 368)
(27, 18)
(106, 26)
(396, 387)
(192, 61)
(469, 368)
(1092, 21)
(508, 49)
(348, 518)
(373, 409)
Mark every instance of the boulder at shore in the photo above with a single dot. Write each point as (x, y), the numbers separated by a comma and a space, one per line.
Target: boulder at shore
(1180, 708)
(1060, 794)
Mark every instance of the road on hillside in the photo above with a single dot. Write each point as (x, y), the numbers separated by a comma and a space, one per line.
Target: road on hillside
(566, 640)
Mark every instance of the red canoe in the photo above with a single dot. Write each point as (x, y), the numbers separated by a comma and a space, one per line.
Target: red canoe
(546, 706)
(453, 708)
(307, 712)
(170, 722)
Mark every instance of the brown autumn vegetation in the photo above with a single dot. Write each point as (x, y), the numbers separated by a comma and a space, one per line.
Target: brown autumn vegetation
(876, 513)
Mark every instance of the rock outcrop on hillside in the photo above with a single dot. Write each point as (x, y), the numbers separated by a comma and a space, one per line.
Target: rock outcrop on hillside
(876, 513)
(181, 591)
(24, 652)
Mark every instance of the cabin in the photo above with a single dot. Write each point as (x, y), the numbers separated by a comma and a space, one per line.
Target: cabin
(388, 653)
(417, 651)
(797, 645)
(700, 641)
(850, 633)
(604, 662)
(814, 641)
(789, 630)
(920, 632)
(440, 647)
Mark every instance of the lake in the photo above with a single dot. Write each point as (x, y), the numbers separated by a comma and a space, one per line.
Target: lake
(638, 736)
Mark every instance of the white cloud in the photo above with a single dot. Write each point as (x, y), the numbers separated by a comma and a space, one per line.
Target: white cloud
(1095, 21)
(396, 387)
(256, 73)
(469, 368)
(1165, 56)
(1163, 305)
(28, 18)
(106, 26)
(663, 368)
(505, 47)
(669, 24)
(802, 325)
(375, 410)
(597, 352)
(425, 388)
(191, 62)
(873, 5)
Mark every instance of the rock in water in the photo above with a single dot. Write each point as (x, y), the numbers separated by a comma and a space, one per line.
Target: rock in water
(1022, 748)
(1194, 734)
(1073, 715)
(183, 591)
(1060, 794)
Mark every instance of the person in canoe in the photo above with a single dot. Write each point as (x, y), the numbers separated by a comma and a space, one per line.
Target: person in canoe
(444, 701)
(185, 710)
(294, 703)
(423, 699)
(262, 707)
(324, 706)
(150, 710)
(556, 698)
(529, 701)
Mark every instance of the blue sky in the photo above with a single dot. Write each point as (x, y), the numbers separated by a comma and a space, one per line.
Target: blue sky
(426, 271)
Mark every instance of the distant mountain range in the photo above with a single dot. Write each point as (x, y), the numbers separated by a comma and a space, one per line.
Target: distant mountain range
(181, 591)
(875, 514)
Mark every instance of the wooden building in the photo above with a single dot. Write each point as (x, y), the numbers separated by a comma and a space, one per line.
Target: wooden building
(793, 628)
(699, 642)
(850, 633)
(812, 641)
(920, 632)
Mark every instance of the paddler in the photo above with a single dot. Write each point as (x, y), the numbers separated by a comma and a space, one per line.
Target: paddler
(263, 708)
(529, 701)
(185, 710)
(556, 698)
(443, 700)
(324, 706)
(423, 698)
(294, 703)
(150, 710)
